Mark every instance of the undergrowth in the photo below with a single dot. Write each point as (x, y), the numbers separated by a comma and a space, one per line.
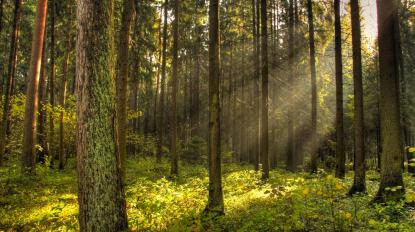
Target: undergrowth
(287, 202)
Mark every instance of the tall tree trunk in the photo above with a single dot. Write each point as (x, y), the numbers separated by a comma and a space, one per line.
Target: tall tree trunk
(122, 81)
(42, 100)
(291, 48)
(313, 87)
(359, 184)
(391, 170)
(52, 75)
(340, 154)
(264, 126)
(98, 161)
(160, 118)
(173, 126)
(11, 72)
(155, 125)
(29, 130)
(256, 78)
(215, 201)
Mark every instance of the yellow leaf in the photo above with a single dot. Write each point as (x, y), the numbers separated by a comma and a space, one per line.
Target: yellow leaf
(348, 216)
(339, 186)
(306, 191)
(411, 149)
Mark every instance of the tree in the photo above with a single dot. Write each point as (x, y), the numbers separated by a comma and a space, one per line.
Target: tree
(42, 100)
(160, 118)
(264, 125)
(64, 89)
(98, 163)
(256, 78)
(173, 126)
(359, 146)
(11, 72)
(340, 155)
(215, 200)
(29, 131)
(122, 81)
(313, 85)
(391, 158)
(51, 136)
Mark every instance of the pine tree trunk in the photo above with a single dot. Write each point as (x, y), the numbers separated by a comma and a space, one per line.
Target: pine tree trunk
(98, 161)
(256, 77)
(63, 94)
(11, 72)
(173, 126)
(42, 100)
(52, 75)
(340, 154)
(122, 81)
(29, 130)
(359, 184)
(264, 126)
(313, 86)
(160, 118)
(215, 201)
(391, 169)
(290, 124)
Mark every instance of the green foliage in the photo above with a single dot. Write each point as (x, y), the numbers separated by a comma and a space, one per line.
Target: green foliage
(287, 202)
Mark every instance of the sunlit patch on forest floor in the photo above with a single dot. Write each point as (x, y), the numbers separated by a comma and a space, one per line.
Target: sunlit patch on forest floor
(287, 202)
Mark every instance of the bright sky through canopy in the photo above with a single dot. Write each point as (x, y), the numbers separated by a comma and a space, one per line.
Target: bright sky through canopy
(370, 18)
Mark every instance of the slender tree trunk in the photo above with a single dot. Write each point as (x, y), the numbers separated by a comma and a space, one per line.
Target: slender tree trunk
(42, 140)
(313, 87)
(215, 201)
(29, 130)
(256, 78)
(173, 126)
(52, 83)
(158, 79)
(391, 171)
(63, 93)
(160, 119)
(122, 81)
(290, 125)
(264, 127)
(11, 72)
(98, 162)
(359, 184)
(340, 154)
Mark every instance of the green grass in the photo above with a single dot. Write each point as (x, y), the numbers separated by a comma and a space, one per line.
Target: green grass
(287, 202)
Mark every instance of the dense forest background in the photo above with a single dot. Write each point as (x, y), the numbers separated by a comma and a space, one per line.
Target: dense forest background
(290, 104)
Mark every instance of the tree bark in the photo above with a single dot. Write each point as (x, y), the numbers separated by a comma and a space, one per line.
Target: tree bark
(122, 81)
(359, 184)
(313, 87)
(391, 170)
(256, 78)
(98, 162)
(290, 124)
(340, 154)
(215, 201)
(29, 130)
(264, 126)
(42, 100)
(11, 72)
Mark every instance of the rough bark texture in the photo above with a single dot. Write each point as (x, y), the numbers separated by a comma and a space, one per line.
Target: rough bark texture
(160, 124)
(264, 125)
(29, 130)
(100, 189)
(11, 71)
(173, 126)
(340, 154)
(391, 158)
(313, 86)
(359, 184)
(215, 200)
(122, 80)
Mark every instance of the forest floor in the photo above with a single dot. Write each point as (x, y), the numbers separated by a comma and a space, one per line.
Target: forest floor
(287, 202)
